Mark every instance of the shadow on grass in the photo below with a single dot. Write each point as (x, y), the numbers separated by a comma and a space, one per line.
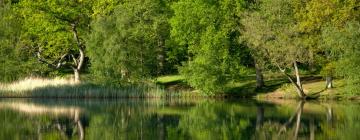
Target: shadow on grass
(246, 89)
(249, 89)
(315, 95)
(175, 86)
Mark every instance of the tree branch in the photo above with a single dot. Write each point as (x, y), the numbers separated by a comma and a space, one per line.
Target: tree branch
(55, 66)
(287, 75)
(74, 59)
(81, 58)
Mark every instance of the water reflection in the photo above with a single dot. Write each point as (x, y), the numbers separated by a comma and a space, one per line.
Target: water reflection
(28, 121)
(158, 119)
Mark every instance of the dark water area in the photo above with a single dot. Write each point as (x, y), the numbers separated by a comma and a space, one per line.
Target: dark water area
(156, 119)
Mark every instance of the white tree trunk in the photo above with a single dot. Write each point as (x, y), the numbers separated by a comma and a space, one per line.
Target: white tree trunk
(299, 86)
(329, 82)
(296, 83)
(297, 74)
(76, 75)
(80, 61)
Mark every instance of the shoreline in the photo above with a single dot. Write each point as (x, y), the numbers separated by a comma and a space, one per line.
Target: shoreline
(169, 88)
(219, 97)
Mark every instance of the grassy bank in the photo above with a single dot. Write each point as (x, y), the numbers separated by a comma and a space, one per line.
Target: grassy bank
(276, 87)
(172, 86)
(313, 88)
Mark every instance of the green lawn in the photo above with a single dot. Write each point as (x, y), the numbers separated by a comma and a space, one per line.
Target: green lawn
(169, 79)
(277, 86)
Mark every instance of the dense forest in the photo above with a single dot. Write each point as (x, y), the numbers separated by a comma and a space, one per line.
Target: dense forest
(211, 43)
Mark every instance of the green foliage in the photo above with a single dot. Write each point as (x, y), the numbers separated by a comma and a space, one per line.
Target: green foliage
(15, 61)
(48, 30)
(345, 46)
(124, 46)
(47, 25)
(328, 69)
(104, 7)
(208, 28)
(270, 30)
(211, 43)
(313, 17)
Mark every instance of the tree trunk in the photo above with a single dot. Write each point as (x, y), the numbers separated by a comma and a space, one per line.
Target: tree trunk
(76, 75)
(80, 61)
(299, 86)
(160, 57)
(329, 82)
(259, 77)
(311, 62)
(298, 80)
(81, 58)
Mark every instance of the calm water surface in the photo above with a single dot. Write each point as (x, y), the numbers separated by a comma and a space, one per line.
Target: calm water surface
(156, 119)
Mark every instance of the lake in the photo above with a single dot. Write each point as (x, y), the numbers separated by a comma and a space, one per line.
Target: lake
(159, 119)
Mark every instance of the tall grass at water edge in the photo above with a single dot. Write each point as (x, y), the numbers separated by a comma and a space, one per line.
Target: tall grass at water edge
(66, 88)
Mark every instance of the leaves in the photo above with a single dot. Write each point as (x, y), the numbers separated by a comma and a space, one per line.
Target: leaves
(124, 46)
(208, 28)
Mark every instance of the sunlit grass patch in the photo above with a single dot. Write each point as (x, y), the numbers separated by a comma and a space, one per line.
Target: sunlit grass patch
(66, 88)
(169, 79)
(32, 83)
(312, 88)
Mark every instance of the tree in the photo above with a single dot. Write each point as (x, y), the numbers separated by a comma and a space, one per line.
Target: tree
(345, 46)
(255, 38)
(55, 31)
(315, 15)
(15, 61)
(271, 30)
(208, 29)
(128, 45)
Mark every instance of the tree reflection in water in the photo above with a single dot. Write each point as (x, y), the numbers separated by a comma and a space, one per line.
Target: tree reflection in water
(210, 119)
(55, 122)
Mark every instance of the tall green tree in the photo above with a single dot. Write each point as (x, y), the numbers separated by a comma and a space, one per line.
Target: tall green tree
(345, 46)
(15, 61)
(55, 30)
(271, 30)
(208, 28)
(315, 15)
(129, 45)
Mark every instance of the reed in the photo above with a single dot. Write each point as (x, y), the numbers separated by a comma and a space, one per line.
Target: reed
(65, 88)
(33, 83)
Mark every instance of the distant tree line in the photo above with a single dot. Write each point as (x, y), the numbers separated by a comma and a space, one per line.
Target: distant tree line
(209, 42)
